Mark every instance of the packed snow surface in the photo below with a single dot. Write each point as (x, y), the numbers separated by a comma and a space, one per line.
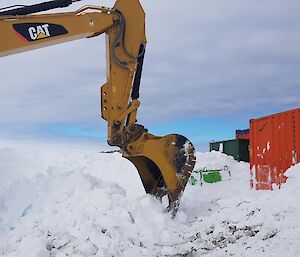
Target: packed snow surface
(70, 201)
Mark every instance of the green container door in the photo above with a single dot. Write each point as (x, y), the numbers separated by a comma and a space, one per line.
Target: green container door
(244, 150)
(238, 148)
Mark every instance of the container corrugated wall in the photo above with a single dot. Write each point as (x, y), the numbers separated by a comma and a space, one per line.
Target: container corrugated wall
(274, 147)
(238, 148)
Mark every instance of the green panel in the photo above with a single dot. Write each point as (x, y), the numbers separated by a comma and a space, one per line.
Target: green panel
(193, 180)
(212, 176)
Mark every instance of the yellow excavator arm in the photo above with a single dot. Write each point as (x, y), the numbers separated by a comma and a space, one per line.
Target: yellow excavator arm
(164, 163)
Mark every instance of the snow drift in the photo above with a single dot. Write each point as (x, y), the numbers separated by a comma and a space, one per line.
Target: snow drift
(62, 201)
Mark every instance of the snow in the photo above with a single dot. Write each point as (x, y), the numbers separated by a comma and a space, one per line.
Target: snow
(63, 201)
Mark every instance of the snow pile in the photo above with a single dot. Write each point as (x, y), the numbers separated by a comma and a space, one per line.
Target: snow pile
(57, 201)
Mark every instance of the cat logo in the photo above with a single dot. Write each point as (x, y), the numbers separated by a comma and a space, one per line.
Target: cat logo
(30, 32)
(39, 32)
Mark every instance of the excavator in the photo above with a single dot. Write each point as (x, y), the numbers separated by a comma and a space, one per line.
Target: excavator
(164, 163)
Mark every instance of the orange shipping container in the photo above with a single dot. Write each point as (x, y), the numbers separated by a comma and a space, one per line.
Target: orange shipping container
(274, 147)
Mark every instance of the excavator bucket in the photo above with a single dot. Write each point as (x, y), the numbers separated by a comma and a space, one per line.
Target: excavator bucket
(164, 165)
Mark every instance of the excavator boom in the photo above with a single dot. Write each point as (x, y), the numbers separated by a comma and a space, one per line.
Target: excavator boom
(164, 163)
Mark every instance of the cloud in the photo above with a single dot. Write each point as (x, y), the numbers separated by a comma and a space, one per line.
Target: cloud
(227, 57)
(203, 59)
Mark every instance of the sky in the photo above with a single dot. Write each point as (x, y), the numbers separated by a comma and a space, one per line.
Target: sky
(210, 67)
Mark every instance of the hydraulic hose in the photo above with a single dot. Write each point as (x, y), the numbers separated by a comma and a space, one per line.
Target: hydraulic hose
(45, 6)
